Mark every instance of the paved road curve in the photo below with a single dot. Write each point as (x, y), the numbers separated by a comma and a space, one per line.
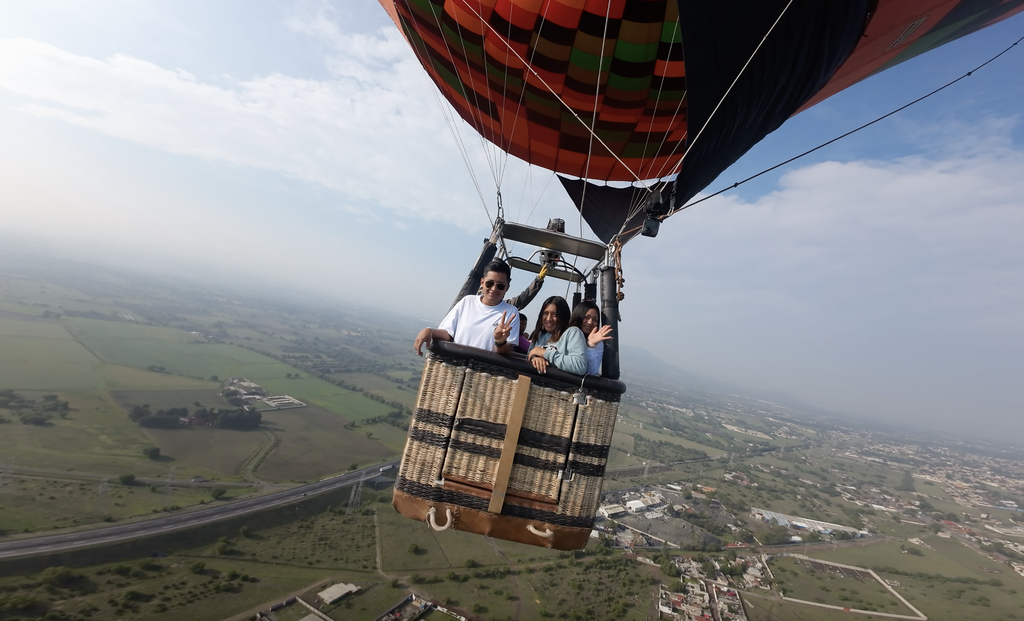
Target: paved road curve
(49, 544)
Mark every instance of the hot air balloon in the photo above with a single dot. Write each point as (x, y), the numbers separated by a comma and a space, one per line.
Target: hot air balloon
(637, 105)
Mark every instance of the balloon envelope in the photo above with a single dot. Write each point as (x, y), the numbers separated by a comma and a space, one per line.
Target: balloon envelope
(621, 90)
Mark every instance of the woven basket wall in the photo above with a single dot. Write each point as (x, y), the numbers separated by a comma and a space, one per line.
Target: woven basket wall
(458, 430)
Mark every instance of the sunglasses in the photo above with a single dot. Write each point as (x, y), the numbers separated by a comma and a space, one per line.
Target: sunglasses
(491, 284)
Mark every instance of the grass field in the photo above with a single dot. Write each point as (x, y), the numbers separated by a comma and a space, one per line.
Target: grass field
(134, 345)
(53, 361)
(946, 593)
(404, 393)
(110, 357)
(166, 589)
(836, 588)
(389, 435)
(314, 443)
(889, 555)
(214, 451)
(334, 540)
(652, 434)
(765, 609)
(96, 437)
(39, 503)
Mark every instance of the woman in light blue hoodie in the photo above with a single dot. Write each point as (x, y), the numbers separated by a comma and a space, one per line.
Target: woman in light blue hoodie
(554, 342)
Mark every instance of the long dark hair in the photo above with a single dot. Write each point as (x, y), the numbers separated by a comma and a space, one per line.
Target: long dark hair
(584, 307)
(561, 309)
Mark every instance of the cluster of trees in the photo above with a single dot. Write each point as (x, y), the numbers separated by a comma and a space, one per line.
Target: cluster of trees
(707, 523)
(663, 450)
(91, 314)
(1000, 547)
(238, 418)
(776, 535)
(996, 582)
(33, 411)
(907, 483)
(396, 418)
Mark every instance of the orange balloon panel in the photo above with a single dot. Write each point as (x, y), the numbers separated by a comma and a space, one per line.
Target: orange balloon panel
(557, 72)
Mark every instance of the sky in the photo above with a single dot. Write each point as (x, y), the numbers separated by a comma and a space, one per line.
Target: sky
(300, 145)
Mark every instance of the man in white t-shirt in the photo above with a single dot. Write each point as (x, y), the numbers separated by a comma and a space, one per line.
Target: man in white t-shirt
(483, 321)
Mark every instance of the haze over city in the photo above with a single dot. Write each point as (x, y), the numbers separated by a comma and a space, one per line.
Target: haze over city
(300, 145)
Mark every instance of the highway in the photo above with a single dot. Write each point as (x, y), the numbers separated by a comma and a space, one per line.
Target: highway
(50, 544)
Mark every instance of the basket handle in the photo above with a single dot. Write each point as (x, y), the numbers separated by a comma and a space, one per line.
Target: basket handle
(430, 519)
(547, 533)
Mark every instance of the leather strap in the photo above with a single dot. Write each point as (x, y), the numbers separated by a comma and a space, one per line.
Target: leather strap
(508, 448)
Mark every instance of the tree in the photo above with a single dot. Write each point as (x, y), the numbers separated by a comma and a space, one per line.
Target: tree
(354, 466)
(907, 484)
(197, 567)
(152, 452)
(214, 378)
(244, 532)
(126, 479)
(218, 492)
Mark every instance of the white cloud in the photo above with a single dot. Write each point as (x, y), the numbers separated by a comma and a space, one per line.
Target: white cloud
(888, 287)
(372, 133)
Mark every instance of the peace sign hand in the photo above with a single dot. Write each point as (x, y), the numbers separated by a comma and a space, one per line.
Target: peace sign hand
(503, 330)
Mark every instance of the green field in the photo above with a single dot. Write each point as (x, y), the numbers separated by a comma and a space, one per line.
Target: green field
(403, 393)
(314, 443)
(39, 502)
(103, 374)
(949, 582)
(764, 609)
(827, 586)
(658, 434)
(96, 437)
(219, 452)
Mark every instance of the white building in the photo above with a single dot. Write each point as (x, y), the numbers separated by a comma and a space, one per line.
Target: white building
(610, 511)
(336, 592)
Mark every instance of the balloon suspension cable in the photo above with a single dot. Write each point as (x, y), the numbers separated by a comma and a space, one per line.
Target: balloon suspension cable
(533, 72)
(640, 205)
(852, 131)
(736, 79)
(446, 112)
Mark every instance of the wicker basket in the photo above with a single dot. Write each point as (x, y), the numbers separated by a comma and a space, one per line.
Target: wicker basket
(456, 471)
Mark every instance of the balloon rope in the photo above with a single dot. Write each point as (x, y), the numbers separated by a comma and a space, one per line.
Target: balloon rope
(636, 210)
(657, 102)
(852, 131)
(593, 124)
(522, 90)
(453, 123)
(476, 94)
(559, 98)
